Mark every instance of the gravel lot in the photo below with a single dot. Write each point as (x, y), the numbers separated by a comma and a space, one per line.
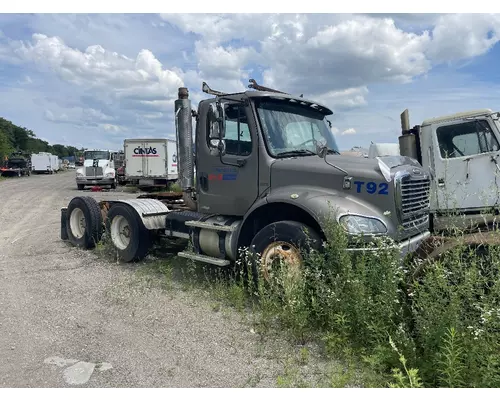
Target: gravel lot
(68, 317)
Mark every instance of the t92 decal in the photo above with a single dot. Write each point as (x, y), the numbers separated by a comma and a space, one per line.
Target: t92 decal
(372, 187)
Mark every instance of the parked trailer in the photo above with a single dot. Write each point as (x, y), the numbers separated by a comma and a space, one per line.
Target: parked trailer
(254, 190)
(54, 162)
(42, 163)
(150, 162)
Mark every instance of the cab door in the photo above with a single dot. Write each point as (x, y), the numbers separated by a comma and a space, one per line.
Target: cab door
(466, 175)
(228, 184)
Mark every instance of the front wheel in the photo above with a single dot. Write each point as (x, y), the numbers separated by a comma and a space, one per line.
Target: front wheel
(130, 237)
(282, 243)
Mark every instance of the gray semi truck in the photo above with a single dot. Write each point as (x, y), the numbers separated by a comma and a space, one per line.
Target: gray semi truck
(269, 177)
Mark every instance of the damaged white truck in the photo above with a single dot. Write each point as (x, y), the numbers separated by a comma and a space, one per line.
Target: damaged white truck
(268, 174)
(461, 152)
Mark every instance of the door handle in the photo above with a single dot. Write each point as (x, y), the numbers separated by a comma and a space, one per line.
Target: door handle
(204, 181)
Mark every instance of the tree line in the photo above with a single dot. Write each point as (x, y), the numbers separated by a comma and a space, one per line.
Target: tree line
(17, 138)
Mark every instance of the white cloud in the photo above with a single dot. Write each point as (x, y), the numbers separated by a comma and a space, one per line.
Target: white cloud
(350, 131)
(112, 128)
(344, 99)
(99, 68)
(106, 73)
(462, 36)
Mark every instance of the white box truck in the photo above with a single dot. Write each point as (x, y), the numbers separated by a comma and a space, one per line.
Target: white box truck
(150, 162)
(41, 163)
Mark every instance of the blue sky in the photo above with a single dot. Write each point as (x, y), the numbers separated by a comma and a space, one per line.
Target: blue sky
(95, 79)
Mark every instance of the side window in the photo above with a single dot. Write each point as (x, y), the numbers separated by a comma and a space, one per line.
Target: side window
(466, 139)
(237, 136)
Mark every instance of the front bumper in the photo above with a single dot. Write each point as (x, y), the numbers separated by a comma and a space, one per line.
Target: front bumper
(83, 180)
(408, 246)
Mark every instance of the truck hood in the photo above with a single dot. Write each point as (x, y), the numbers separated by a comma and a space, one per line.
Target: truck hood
(314, 171)
(90, 163)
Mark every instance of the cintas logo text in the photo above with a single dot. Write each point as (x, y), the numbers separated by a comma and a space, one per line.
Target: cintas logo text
(145, 152)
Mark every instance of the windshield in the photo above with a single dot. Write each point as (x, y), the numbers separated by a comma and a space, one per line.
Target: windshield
(100, 155)
(290, 127)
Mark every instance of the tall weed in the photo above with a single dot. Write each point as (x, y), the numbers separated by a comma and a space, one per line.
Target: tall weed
(441, 329)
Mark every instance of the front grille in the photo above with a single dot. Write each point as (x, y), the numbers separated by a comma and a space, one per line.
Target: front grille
(91, 171)
(413, 200)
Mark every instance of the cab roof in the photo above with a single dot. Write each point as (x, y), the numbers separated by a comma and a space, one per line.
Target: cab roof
(284, 96)
(465, 114)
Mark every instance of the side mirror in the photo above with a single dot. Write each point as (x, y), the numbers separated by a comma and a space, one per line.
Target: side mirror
(217, 121)
(219, 145)
(321, 148)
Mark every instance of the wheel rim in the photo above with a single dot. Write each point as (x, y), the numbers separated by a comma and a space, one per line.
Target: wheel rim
(77, 223)
(279, 253)
(120, 232)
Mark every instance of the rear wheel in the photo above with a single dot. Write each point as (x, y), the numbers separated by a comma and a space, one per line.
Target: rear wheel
(129, 236)
(84, 222)
(280, 244)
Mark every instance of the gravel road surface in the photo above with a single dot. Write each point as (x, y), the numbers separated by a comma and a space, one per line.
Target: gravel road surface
(69, 318)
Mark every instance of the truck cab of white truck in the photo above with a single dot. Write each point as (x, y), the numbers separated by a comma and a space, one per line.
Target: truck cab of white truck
(98, 169)
(461, 152)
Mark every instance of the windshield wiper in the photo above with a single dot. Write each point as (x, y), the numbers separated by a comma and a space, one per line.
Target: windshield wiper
(299, 152)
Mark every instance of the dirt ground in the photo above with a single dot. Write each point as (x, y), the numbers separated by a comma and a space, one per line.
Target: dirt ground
(70, 318)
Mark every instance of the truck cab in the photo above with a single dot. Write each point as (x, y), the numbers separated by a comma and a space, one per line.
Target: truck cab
(98, 169)
(461, 152)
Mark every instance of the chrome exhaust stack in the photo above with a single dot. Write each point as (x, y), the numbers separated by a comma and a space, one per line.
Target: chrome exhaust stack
(184, 135)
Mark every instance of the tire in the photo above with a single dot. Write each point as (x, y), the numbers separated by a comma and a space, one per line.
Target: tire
(84, 222)
(80, 187)
(286, 238)
(113, 185)
(129, 236)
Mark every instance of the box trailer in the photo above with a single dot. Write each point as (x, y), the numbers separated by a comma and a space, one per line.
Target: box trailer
(54, 162)
(41, 163)
(150, 161)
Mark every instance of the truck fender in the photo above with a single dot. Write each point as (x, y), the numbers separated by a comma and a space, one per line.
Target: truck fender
(322, 206)
(152, 212)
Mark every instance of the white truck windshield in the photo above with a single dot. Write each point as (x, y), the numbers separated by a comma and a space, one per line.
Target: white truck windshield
(99, 155)
(293, 128)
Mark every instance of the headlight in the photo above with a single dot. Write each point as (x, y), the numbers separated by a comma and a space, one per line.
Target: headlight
(110, 175)
(79, 174)
(355, 224)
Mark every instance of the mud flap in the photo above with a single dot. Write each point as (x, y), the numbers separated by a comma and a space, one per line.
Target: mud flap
(64, 232)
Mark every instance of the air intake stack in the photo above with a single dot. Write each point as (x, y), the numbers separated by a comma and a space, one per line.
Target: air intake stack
(184, 134)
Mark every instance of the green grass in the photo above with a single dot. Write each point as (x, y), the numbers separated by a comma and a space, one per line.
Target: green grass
(369, 321)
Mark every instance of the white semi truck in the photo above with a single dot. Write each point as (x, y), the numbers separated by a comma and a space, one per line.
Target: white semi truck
(150, 162)
(98, 169)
